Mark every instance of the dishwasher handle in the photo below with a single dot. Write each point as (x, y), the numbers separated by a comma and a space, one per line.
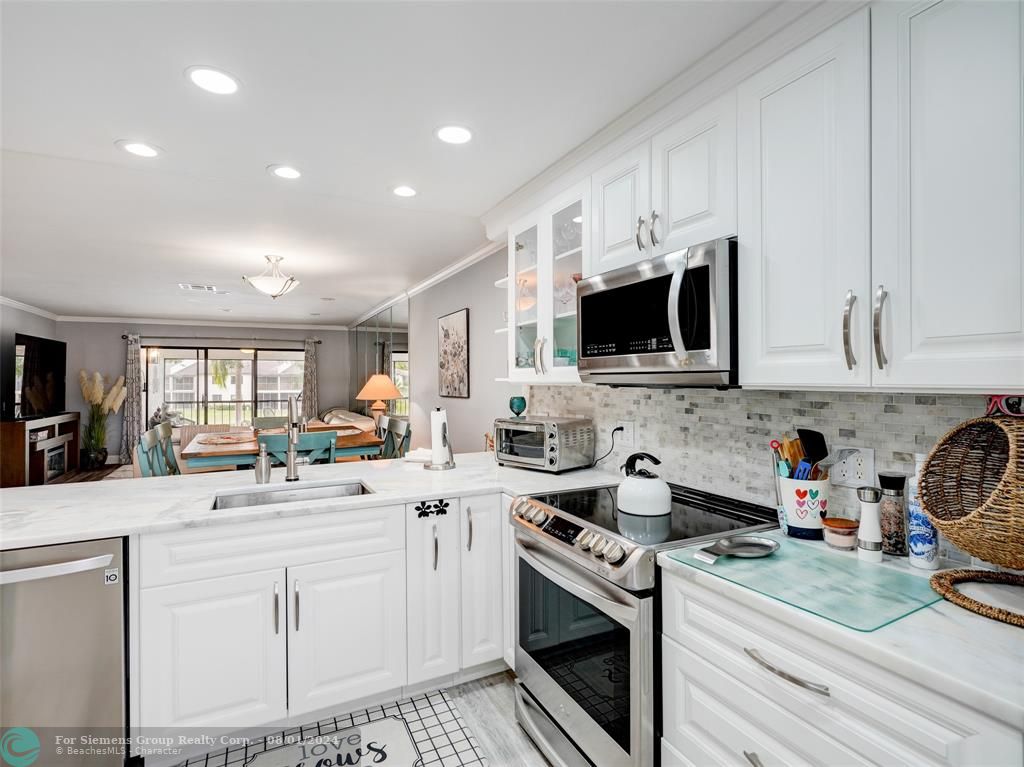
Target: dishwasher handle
(55, 570)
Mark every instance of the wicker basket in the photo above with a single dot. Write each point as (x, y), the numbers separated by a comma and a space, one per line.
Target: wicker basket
(972, 488)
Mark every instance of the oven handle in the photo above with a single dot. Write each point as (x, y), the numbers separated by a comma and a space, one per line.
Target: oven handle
(675, 288)
(615, 602)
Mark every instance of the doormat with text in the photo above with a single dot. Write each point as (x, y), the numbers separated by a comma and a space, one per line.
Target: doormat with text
(423, 731)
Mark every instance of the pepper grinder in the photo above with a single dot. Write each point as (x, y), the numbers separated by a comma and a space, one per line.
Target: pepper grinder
(262, 466)
(869, 536)
(894, 513)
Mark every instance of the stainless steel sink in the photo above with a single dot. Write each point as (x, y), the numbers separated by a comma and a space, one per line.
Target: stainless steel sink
(302, 492)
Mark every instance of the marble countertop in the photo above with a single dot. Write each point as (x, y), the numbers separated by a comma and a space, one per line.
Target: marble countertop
(977, 661)
(39, 516)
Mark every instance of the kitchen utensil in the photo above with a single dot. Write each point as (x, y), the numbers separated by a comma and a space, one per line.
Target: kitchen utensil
(744, 546)
(813, 444)
(773, 458)
(803, 470)
(894, 513)
(642, 492)
(791, 451)
(869, 537)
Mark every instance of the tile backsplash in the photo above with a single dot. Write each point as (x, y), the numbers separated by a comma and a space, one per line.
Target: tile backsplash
(718, 440)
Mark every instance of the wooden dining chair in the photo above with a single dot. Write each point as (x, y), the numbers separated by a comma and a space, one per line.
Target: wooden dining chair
(396, 439)
(164, 432)
(270, 421)
(149, 454)
(314, 446)
(382, 426)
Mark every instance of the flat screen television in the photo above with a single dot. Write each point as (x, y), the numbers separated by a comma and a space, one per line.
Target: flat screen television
(40, 376)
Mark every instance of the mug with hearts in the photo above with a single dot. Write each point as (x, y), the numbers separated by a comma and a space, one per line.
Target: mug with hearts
(806, 504)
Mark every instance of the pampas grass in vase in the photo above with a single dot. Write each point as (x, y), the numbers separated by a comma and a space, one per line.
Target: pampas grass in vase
(101, 405)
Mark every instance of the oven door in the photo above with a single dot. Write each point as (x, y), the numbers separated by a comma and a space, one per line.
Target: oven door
(522, 443)
(584, 651)
(669, 316)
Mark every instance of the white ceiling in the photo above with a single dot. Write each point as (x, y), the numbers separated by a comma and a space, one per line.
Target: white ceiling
(348, 92)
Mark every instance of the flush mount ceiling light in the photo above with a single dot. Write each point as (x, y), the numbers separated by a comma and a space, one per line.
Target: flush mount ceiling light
(138, 148)
(283, 171)
(404, 191)
(212, 80)
(272, 282)
(454, 134)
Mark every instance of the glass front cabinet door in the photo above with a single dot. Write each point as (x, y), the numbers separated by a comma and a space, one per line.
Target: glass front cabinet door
(546, 256)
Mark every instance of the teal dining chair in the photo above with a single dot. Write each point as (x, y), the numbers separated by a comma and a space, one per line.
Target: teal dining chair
(269, 421)
(396, 437)
(314, 446)
(165, 432)
(149, 454)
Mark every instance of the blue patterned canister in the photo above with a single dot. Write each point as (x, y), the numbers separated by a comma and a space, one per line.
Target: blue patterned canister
(922, 538)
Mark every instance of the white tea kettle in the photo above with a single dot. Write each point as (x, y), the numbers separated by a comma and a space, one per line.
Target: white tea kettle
(643, 493)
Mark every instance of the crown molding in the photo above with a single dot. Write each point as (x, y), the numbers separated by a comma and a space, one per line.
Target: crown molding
(27, 308)
(487, 249)
(199, 323)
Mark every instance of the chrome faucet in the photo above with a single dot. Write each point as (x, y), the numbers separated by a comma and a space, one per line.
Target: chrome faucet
(292, 462)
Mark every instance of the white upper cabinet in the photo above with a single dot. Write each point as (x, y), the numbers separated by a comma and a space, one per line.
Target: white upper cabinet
(803, 216)
(621, 193)
(546, 254)
(346, 630)
(947, 197)
(675, 190)
(693, 178)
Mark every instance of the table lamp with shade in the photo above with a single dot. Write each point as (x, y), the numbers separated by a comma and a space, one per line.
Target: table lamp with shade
(380, 387)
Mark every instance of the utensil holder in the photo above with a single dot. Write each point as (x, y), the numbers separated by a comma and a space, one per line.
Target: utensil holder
(806, 504)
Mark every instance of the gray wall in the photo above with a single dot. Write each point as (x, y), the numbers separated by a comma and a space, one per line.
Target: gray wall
(99, 346)
(13, 321)
(468, 419)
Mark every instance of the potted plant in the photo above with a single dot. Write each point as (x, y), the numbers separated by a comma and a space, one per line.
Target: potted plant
(101, 404)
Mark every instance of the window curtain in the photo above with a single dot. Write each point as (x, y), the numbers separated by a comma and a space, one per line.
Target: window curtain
(131, 426)
(310, 392)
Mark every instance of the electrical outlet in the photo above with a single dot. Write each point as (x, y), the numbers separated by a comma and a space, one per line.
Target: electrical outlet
(857, 470)
(625, 437)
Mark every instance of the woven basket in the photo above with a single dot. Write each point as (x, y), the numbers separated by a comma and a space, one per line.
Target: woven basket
(972, 489)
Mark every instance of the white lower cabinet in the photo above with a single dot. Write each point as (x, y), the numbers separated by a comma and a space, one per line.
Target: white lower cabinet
(214, 652)
(346, 630)
(482, 580)
(508, 569)
(432, 588)
(740, 687)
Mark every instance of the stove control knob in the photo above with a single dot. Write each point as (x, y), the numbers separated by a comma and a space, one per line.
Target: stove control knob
(519, 508)
(598, 544)
(583, 539)
(614, 553)
(528, 513)
(539, 517)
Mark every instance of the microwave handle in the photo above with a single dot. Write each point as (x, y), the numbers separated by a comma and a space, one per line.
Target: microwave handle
(675, 288)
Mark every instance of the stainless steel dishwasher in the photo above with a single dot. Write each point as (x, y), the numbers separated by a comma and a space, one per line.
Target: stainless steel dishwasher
(62, 643)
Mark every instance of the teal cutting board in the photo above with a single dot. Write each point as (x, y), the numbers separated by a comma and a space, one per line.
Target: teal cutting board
(831, 585)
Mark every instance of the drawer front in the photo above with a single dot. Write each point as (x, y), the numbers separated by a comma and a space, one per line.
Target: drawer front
(210, 552)
(879, 715)
(712, 718)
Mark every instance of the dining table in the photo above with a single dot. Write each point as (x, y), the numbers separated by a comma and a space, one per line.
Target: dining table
(212, 450)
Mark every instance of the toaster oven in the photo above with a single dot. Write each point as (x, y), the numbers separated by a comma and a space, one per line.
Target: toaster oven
(544, 443)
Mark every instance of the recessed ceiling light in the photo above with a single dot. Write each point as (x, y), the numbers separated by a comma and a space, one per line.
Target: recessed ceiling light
(225, 310)
(212, 80)
(404, 191)
(326, 298)
(284, 171)
(454, 134)
(138, 148)
(314, 314)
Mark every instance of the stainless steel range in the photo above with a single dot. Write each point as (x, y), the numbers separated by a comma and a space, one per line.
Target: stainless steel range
(585, 640)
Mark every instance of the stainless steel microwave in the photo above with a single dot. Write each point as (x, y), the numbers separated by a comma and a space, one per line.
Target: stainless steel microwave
(666, 321)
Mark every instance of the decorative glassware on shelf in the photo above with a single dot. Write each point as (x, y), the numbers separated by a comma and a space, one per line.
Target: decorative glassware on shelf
(517, 405)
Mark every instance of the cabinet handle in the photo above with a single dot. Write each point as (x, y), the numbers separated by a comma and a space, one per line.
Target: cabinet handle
(876, 324)
(296, 605)
(469, 519)
(753, 759)
(435, 548)
(540, 356)
(650, 230)
(536, 356)
(639, 240)
(851, 299)
(818, 688)
(277, 610)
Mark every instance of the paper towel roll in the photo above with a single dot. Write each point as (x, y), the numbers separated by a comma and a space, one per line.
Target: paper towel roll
(438, 427)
